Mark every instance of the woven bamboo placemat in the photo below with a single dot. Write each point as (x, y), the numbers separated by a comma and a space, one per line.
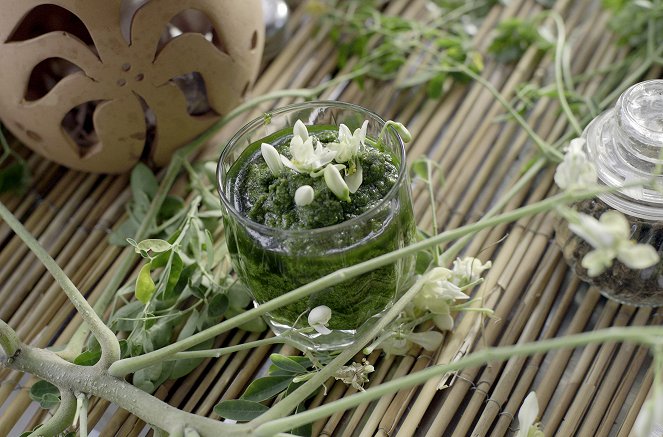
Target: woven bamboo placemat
(593, 391)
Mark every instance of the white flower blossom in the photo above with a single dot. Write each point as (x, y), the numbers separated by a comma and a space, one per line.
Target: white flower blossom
(299, 130)
(304, 195)
(319, 317)
(438, 291)
(527, 426)
(355, 374)
(349, 144)
(468, 270)
(609, 236)
(272, 158)
(575, 171)
(336, 183)
(306, 159)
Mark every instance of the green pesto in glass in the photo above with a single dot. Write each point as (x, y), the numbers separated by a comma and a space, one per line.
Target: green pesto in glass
(295, 248)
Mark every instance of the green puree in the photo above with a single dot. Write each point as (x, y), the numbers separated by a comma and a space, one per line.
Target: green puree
(274, 262)
(270, 200)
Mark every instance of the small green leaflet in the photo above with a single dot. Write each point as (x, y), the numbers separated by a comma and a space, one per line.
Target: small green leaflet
(154, 245)
(239, 409)
(144, 284)
(46, 394)
(287, 364)
(266, 388)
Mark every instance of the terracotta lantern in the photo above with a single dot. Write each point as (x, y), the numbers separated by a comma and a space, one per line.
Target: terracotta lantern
(98, 85)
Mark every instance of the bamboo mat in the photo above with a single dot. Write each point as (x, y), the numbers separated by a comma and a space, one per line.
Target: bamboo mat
(593, 391)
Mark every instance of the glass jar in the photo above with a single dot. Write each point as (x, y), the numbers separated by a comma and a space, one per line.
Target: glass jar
(626, 144)
(271, 261)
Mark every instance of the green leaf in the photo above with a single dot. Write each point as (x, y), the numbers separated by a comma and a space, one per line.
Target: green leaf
(88, 358)
(160, 260)
(170, 206)
(303, 430)
(154, 245)
(239, 296)
(266, 388)
(46, 394)
(143, 181)
(420, 168)
(127, 229)
(239, 409)
(434, 86)
(129, 311)
(15, 177)
(174, 273)
(286, 363)
(144, 284)
(184, 367)
(217, 306)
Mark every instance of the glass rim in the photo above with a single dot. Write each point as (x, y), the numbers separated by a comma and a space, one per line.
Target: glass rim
(263, 229)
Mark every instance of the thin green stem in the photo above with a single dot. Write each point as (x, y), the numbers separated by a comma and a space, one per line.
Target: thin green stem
(62, 419)
(110, 347)
(647, 335)
(559, 75)
(216, 353)
(433, 207)
(289, 404)
(546, 148)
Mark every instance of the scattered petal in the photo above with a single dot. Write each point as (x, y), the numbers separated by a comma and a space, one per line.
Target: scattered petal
(304, 195)
(318, 318)
(527, 415)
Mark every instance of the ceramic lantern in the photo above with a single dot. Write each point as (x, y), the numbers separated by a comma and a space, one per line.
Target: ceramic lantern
(98, 85)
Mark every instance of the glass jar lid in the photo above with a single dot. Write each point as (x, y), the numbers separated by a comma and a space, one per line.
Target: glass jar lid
(626, 145)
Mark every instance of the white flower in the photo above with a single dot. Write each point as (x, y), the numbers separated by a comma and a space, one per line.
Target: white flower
(438, 292)
(272, 158)
(355, 374)
(575, 171)
(650, 419)
(300, 130)
(319, 317)
(354, 180)
(610, 238)
(527, 418)
(336, 183)
(349, 144)
(304, 195)
(305, 159)
(468, 270)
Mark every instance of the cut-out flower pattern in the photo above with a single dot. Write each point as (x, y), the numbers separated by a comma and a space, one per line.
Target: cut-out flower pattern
(125, 77)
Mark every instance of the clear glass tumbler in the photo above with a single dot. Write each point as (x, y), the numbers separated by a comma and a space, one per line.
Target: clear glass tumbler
(271, 262)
